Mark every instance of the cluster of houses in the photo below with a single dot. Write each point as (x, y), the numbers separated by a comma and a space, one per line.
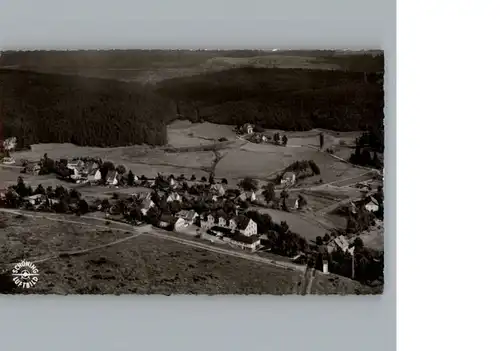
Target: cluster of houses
(255, 137)
(89, 172)
(238, 230)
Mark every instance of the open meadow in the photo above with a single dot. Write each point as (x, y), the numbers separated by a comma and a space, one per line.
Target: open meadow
(139, 264)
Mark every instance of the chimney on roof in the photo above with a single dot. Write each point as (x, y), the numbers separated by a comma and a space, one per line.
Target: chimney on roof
(325, 266)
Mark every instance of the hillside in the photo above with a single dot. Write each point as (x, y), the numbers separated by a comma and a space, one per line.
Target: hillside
(276, 98)
(50, 108)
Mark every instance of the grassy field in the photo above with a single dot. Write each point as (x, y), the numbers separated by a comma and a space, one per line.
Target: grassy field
(305, 228)
(185, 133)
(142, 265)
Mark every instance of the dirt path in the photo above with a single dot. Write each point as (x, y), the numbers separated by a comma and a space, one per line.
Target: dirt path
(71, 252)
(156, 233)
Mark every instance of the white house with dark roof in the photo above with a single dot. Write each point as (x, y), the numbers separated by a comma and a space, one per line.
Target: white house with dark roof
(112, 178)
(247, 226)
(372, 205)
(247, 128)
(187, 216)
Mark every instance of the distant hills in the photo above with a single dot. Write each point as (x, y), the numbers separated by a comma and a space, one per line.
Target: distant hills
(48, 107)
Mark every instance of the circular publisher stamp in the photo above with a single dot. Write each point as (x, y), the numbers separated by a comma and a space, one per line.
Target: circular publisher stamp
(25, 274)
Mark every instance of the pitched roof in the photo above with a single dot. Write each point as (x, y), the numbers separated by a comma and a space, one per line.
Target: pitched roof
(242, 222)
(111, 175)
(342, 242)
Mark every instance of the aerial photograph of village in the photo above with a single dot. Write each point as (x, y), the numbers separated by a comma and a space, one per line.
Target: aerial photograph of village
(192, 172)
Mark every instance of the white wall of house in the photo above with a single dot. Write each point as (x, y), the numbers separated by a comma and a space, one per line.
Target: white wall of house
(371, 207)
(251, 229)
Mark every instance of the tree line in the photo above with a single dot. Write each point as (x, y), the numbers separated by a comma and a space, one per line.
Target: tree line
(275, 98)
(45, 108)
(51, 108)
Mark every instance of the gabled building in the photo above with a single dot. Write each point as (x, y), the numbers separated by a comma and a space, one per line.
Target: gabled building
(221, 221)
(188, 216)
(247, 196)
(180, 224)
(112, 178)
(218, 189)
(246, 226)
(232, 224)
(207, 221)
(174, 197)
(372, 204)
(8, 160)
(146, 204)
(94, 175)
(292, 203)
(75, 164)
(35, 199)
(247, 128)
(288, 178)
(245, 242)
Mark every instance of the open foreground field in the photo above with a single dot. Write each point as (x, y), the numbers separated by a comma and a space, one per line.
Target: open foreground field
(134, 263)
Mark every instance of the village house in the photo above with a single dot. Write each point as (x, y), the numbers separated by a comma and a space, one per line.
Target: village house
(75, 164)
(180, 224)
(89, 167)
(8, 161)
(174, 197)
(146, 204)
(221, 222)
(246, 226)
(292, 203)
(340, 243)
(94, 175)
(247, 128)
(372, 205)
(232, 224)
(247, 196)
(112, 178)
(188, 216)
(288, 178)
(10, 143)
(218, 189)
(76, 174)
(245, 242)
(35, 199)
(207, 221)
